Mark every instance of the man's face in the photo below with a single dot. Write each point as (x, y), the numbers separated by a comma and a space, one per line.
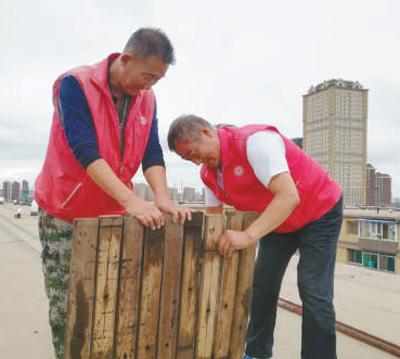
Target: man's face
(206, 150)
(140, 74)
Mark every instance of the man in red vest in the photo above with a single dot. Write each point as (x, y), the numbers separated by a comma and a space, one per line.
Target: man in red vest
(104, 127)
(256, 168)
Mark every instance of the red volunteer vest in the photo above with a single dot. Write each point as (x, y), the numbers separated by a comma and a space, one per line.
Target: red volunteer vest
(242, 190)
(63, 188)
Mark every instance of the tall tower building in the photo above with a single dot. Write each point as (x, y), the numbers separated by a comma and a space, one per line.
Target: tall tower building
(335, 116)
(15, 191)
(188, 194)
(25, 192)
(384, 189)
(7, 190)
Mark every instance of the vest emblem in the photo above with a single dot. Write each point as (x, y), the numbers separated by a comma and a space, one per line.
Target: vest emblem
(238, 171)
(143, 120)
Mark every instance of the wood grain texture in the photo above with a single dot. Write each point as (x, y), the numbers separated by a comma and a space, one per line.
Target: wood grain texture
(81, 289)
(226, 298)
(150, 293)
(170, 290)
(209, 287)
(107, 275)
(191, 270)
(243, 294)
(129, 289)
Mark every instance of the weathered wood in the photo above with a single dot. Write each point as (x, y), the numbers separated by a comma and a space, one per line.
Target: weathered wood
(191, 268)
(81, 293)
(129, 289)
(107, 274)
(243, 295)
(210, 281)
(150, 293)
(170, 290)
(226, 300)
(141, 294)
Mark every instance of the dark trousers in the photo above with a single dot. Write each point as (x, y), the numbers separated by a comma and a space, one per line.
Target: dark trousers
(316, 243)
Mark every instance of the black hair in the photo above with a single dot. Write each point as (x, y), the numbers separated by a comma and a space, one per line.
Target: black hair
(147, 42)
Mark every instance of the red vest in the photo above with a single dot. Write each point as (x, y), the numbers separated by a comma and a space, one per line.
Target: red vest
(317, 191)
(63, 188)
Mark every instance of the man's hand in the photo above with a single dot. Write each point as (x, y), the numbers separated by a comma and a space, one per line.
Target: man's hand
(179, 213)
(231, 241)
(155, 176)
(145, 212)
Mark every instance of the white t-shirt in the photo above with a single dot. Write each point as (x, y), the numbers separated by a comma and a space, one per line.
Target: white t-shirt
(267, 157)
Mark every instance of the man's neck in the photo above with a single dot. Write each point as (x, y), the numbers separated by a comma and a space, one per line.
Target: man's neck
(113, 80)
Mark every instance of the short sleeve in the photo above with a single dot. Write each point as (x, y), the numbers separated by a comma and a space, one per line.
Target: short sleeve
(267, 155)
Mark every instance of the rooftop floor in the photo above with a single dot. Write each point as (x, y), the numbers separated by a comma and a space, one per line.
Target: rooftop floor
(368, 300)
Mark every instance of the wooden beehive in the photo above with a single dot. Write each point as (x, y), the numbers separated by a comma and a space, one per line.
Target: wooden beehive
(135, 293)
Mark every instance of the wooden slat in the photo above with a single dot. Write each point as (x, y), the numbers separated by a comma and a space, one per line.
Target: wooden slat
(191, 268)
(243, 295)
(170, 290)
(129, 289)
(209, 287)
(150, 293)
(226, 298)
(81, 289)
(108, 259)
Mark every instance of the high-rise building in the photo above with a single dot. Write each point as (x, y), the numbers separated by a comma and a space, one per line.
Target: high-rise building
(188, 194)
(25, 192)
(15, 191)
(144, 192)
(384, 189)
(379, 188)
(200, 196)
(335, 116)
(173, 194)
(7, 190)
(371, 186)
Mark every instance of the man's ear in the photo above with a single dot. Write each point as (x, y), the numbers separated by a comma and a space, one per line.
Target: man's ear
(208, 132)
(126, 57)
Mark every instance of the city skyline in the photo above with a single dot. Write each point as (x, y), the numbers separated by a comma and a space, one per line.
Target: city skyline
(253, 73)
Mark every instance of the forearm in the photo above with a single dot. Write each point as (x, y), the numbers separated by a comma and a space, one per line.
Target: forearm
(102, 174)
(273, 216)
(157, 179)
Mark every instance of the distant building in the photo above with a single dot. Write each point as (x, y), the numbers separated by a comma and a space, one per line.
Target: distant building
(188, 194)
(384, 189)
(174, 194)
(15, 191)
(370, 238)
(379, 188)
(7, 190)
(335, 116)
(199, 196)
(144, 192)
(25, 192)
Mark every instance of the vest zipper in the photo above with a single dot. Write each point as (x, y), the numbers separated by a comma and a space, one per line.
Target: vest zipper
(123, 115)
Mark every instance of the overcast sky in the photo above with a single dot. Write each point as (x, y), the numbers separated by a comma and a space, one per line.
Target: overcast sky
(238, 62)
